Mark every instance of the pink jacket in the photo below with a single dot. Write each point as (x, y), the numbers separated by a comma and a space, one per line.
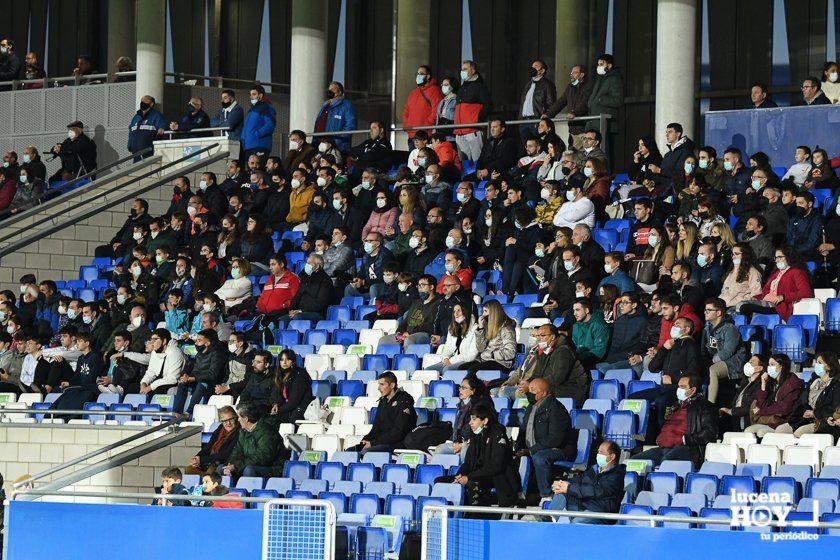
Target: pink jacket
(379, 222)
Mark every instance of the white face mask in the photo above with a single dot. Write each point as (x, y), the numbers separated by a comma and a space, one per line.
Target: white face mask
(773, 372)
(488, 222)
(545, 193)
(446, 89)
(121, 299)
(137, 235)
(748, 369)
(137, 321)
(653, 240)
(676, 332)
(580, 294)
(323, 147)
(387, 278)
(232, 347)
(832, 77)
(608, 269)
(414, 242)
(295, 183)
(450, 241)
(154, 234)
(381, 202)
(321, 182)
(293, 145)
(459, 320)
(601, 70)
(136, 270)
(62, 310)
(402, 286)
(71, 135)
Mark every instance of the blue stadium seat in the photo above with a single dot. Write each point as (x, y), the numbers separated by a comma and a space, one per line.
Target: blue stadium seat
(352, 301)
(757, 471)
(694, 502)
(832, 315)
(515, 311)
(585, 420)
(376, 362)
(447, 414)
(454, 375)
(718, 469)
(300, 325)
(316, 337)
(313, 486)
(623, 376)
(299, 495)
(681, 468)
(800, 473)
(823, 488)
(271, 494)
(821, 505)
(363, 310)
(702, 484)
(345, 337)
(663, 482)
(399, 475)
(654, 500)
(681, 512)
(620, 427)
(790, 340)
(584, 444)
(405, 362)
(443, 388)
(810, 324)
(402, 506)
(322, 389)
(781, 485)
(390, 350)
(636, 385)
(337, 499)
(715, 513)
(605, 389)
(489, 375)
(341, 313)
(492, 277)
(452, 492)
(297, 471)
(364, 375)
(634, 509)
(367, 504)
(479, 287)
(371, 542)
(348, 487)
(606, 238)
(416, 490)
(250, 483)
(331, 471)
(351, 388)
(286, 337)
(361, 472)
(334, 376)
(426, 474)
(739, 484)
(380, 488)
(377, 458)
(357, 326)
(418, 350)
(525, 299)
(601, 406)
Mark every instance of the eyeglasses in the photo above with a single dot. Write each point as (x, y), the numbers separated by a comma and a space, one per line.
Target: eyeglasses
(712, 310)
(227, 421)
(465, 388)
(625, 302)
(777, 259)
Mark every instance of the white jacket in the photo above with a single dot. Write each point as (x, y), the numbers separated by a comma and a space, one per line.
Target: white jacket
(468, 351)
(164, 368)
(238, 290)
(571, 214)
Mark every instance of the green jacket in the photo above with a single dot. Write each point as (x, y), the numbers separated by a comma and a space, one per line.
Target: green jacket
(164, 238)
(607, 94)
(591, 338)
(261, 447)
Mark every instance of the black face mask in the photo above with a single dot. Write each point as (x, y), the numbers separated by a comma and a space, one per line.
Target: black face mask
(801, 212)
(532, 71)
(226, 104)
(566, 171)
(530, 396)
(715, 239)
(146, 106)
(133, 213)
(703, 215)
(330, 95)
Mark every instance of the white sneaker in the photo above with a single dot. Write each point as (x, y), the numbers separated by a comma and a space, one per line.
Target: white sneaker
(119, 390)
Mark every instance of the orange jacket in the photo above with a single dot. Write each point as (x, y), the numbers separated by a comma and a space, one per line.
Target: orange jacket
(448, 156)
(421, 105)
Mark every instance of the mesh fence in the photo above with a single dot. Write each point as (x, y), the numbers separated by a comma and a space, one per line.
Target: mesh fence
(299, 530)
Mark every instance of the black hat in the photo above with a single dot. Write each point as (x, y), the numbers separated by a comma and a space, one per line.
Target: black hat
(76, 124)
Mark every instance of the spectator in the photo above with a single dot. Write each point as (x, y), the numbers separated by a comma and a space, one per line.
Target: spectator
(597, 185)
(799, 171)
(335, 116)
(84, 67)
(819, 402)
(348, 216)
(538, 95)
(822, 174)
(574, 99)
(518, 252)
(679, 148)
(488, 465)
(256, 246)
(461, 346)
(467, 206)
(300, 151)
(721, 346)
(645, 158)
(33, 71)
(596, 490)
(552, 168)
(445, 110)
(171, 484)
(77, 154)
(314, 294)
(448, 160)
(9, 61)
(710, 168)
(590, 333)
(831, 82)
(690, 426)
(805, 229)
(776, 397)
(258, 128)
(578, 210)
(292, 392)
(236, 289)
(259, 449)
(759, 98)
(435, 191)
(195, 117)
(279, 288)
(760, 245)
(787, 285)
(422, 103)
(738, 412)
(339, 260)
(395, 419)
(375, 152)
(383, 215)
(641, 228)
(498, 154)
(258, 387)
(812, 93)
(217, 450)
(33, 163)
(472, 106)
(164, 364)
(607, 95)
(373, 263)
(737, 177)
(625, 341)
(546, 435)
(616, 275)
(201, 374)
(550, 203)
(29, 191)
(146, 127)
(743, 278)
(709, 272)
(495, 339)
(471, 391)
(231, 116)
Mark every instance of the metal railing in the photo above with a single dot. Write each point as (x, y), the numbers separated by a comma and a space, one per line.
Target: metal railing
(36, 493)
(67, 81)
(33, 238)
(40, 207)
(212, 129)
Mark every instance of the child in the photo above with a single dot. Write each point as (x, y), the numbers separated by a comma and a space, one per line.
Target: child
(177, 319)
(171, 484)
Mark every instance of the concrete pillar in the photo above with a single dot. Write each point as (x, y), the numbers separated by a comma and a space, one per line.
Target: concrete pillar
(120, 32)
(151, 48)
(570, 46)
(309, 62)
(676, 81)
(413, 22)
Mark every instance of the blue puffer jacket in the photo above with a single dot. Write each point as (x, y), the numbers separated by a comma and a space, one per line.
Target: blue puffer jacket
(143, 129)
(259, 127)
(341, 116)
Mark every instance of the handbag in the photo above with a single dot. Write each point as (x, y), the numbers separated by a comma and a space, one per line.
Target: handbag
(643, 271)
(767, 419)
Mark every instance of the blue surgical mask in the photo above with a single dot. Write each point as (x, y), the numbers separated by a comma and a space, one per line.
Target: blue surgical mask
(701, 260)
(728, 165)
(689, 168)
(681, 394)
(703, 163)
(337, 204)
(420, 79)
(773, 372)
(307, 268)
(464, 75)
(781, 265)
(253, 102)
(461, 197)
(539, 252)
(368, 247)
(480, 429)
(568, 265)
(601, 460)
(819, 369)
(587, 171)
(756, 184)
(87, 319)
(570, 196)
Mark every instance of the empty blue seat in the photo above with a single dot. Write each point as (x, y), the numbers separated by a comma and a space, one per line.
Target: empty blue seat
(717, 469)
(399, 475)
(820, 505)
(377, 362)
(337, 499)
(286, 337)
(664, 482)
(402, 506)
(781, 485)
(489, 374)
(334, 376)
(442, 388)
(526, 299)
(331, 471)
(584, 443)
(454, 375)
(367, 504)
(363, 310)
(380, 488)
(351, 388)
(620, 427)
(357, 326)
(810, 324)
(618, 224)
(716, 513)
(757, 471)
(635, 509)
(313, 486)
(297, 470)
(655, 500)
(322, 389)
(702, 484)
(361, 472)
(377, 458)
(606, 238)
(316, 337)
(418, 350)
(790, 340)
(352, 301)
(681, 468)
(623, 376)
(636, 385)
(832, 315)
(740, 484)
(447, 414)
(300, 325)
(364, 375)
(341, 313)
(270, 494)
(605, 389)
(823, 488)
(452, 492)
(426, 474)
(250, 483)
(515, 311)
(416, 490)
(345, 337)
(348, 487)
(694, 502)
(371, 542)
(800, 473)
(299, 495)
(406, 362)
(681, 512)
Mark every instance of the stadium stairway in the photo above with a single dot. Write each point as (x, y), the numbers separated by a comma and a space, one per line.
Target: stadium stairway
(55, 238)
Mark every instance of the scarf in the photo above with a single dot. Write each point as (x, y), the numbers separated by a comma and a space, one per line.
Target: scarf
(217, 445)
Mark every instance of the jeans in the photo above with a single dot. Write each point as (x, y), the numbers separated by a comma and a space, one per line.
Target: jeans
(199, 392)
(508, 391)
(254, 470)
(543, 461)
(448, 448)
(604, 367)
(659, 454)
(562, 502)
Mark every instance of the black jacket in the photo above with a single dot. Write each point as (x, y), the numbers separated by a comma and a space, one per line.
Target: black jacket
(125, 235)
(598, 492)
(552, 428)
(314, 294)
(215, 200)
(469, 209)
(827, 403)
(373, 153)
(673, 162)
(298, 395)
(394, 419)
(498, 154)
(257, 389)
(209, 365)
(545, 94)
(207, 458)
(575, 99)
(702, 419)
(742, 403)
(353, 221)
(489, 459)
(683, 358)
(417, 262)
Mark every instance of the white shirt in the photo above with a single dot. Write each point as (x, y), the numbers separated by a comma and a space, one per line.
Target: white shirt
(798, 172)
(571, 214)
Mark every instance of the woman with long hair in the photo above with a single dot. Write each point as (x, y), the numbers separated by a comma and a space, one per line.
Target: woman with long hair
(659, 251)
(743, 279)
(597, 185)
(383, 214)
(492, 233)
(293, 389)
(779, 390)
(470, 391)
(788, 284)
(647, 154)
(237, 289)
(723, 240)
(411, 203)
(552, 169)
(608, 296)
(819, 401)
(230, 238)
(461, 346)
(495, 340)
(738, 412)
(687, 242)
(257, 246)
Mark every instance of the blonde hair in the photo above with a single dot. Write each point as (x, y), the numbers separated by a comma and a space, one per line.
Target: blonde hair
(726, 236)
(684, 247)
(497, 319)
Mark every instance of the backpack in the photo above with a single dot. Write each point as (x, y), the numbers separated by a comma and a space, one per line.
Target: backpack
(425, 436)
(261, 331)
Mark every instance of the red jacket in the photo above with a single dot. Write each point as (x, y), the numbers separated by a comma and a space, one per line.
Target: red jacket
(277, 293)
(794, 286)
(599, 192)
(448, 157)
(7, 193)
(781, 402)
(421, 106)
(465, 277)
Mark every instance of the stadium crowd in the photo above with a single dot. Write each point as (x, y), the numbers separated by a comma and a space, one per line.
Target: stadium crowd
(645, 272)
